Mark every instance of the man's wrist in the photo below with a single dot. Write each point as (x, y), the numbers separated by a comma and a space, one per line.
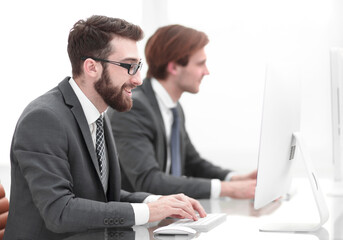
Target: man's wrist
(230, 175)
(151, 198)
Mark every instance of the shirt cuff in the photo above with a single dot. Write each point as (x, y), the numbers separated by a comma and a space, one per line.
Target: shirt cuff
(141, 211)
(151, 198)
(230, 175)
(215, 188)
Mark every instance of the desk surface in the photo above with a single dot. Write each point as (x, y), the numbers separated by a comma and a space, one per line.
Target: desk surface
(243, 220)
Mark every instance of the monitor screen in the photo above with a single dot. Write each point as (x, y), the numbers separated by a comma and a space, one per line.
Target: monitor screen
(280, 119)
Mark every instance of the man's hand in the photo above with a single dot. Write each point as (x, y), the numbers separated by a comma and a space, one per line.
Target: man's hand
(239, 189)
(251, 175)
(178, 205)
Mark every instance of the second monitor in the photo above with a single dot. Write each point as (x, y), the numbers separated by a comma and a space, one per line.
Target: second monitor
(280, 145)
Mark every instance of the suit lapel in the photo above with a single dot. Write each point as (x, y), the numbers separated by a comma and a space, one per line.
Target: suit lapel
(150, 95)
(76, 109)
(114, 185)
(183, 135)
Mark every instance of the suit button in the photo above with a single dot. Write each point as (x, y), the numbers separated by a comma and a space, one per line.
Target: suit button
(121, 221)
(116, 221)
(110, 234)
(105, 221)
(110, 221)
(113, 235)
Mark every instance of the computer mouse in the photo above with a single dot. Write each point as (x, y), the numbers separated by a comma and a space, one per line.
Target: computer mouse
(174, 230)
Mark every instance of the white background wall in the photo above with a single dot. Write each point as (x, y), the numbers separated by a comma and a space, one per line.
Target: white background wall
(244, 35)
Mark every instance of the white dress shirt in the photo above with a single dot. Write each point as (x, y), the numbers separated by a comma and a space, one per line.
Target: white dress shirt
(165, 104)
(141, 210)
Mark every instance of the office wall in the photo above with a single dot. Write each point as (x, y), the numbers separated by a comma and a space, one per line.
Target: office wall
(244, 35)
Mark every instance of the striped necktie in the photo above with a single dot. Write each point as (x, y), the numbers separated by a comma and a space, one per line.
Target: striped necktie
(100, 152)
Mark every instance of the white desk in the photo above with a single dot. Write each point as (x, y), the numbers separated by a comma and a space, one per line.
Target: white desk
(243, 220)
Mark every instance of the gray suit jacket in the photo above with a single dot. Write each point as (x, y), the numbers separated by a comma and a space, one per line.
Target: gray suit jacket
(55, 186)
(142, 147)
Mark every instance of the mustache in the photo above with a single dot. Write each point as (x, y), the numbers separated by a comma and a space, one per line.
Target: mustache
(128, 85)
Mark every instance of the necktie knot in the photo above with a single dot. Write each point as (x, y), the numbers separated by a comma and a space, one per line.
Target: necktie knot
(175, 113)
(100, 122)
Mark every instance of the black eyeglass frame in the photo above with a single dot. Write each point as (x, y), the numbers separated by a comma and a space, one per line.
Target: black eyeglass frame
(134, 67)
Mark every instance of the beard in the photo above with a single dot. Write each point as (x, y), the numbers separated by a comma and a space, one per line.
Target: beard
(113, 96)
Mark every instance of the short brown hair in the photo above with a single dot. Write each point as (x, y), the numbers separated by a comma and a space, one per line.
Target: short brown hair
(172, 43)
(91, 38)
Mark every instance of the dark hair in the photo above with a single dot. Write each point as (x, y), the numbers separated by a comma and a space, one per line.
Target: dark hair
(92, 37)
(172, 43)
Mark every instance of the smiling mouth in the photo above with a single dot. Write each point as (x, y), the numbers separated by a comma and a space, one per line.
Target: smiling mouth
(128, 91)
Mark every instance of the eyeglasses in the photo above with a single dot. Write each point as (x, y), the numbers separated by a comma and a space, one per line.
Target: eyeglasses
(132, 68)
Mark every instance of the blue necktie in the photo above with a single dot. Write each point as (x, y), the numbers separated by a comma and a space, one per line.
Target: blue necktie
(100, 152)
(175, 145)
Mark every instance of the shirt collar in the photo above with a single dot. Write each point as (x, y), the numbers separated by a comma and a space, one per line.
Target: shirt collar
(91, 112)
(161, 94)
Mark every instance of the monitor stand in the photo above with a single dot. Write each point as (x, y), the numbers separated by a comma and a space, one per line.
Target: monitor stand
(317, 193)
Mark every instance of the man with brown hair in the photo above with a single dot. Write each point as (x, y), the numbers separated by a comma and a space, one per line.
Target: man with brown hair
(155, 151)
(65, 174)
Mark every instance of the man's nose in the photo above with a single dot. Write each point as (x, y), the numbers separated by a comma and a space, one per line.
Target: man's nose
(137, 79)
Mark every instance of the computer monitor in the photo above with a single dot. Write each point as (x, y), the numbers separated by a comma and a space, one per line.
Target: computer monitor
(281, 143)
(336, 63)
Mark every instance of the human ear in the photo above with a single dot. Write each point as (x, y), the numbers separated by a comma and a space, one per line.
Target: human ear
(91, 67)
(172, 68)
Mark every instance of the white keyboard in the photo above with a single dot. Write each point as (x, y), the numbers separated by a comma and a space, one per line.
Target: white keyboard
(203, 224)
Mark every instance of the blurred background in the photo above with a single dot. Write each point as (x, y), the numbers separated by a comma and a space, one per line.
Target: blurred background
(244, 36)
